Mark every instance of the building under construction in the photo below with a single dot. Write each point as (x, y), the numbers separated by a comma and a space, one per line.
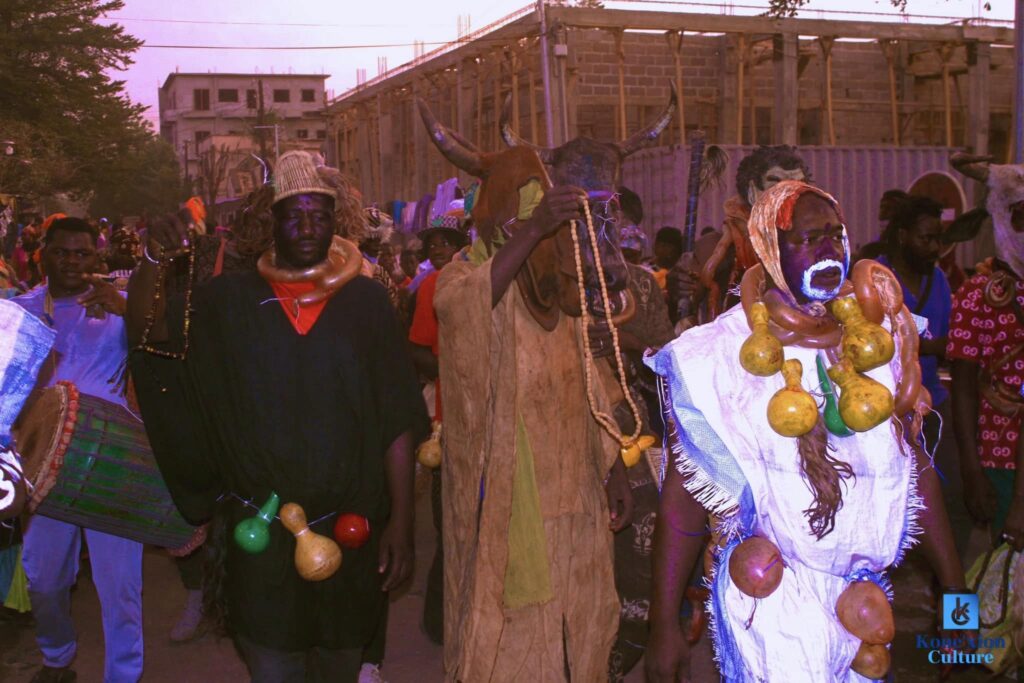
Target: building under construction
(884, 91)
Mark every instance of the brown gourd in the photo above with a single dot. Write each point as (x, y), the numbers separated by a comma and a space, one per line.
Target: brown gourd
(863, 403)
(792, 411)
(429, 452)
(316, 557)
(755, 566)
(761, 353)
(872, 661)
(865, 612)
(866, 344)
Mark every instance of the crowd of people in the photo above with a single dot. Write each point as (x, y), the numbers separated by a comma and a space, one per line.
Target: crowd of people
(611, 405)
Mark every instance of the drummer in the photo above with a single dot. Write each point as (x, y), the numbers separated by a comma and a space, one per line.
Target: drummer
(90, 346)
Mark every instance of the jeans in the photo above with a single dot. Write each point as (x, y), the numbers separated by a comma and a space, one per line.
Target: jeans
(316, 665)
(50, 557)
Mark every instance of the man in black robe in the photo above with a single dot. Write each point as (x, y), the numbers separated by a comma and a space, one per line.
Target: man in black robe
(296, 386)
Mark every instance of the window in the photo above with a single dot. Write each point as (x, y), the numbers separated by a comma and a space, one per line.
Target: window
(201, 99)
(308, 95)
(227, 95)
(302, 134)
(250, 99)
(282, 96)
(201, 135)
(321, 134)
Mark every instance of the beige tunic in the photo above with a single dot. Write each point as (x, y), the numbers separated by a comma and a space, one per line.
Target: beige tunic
(496, 365)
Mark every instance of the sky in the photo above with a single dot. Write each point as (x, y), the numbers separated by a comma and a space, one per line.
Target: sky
(396, 24)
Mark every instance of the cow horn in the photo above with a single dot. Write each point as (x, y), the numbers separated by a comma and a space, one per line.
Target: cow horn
(644, 137)
(513, 140)
(971, 165)
(451, 145)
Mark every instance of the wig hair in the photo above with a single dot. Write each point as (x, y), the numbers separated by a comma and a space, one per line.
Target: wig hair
(753, 167)
(824, 474)
(254, 225)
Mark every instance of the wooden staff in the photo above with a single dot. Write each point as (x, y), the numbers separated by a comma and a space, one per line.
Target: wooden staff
(495, 132)
(946, 55)
(741, 62)
(826, 49)
(675, 46)
(513, 68)
(889, 50)
(621, 53)
(479, 102)
(380, 148)
(534, 133)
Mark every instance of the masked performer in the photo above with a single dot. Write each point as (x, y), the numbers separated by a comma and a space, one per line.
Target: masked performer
(718, 271)
(528, 550)
(298, 387)
(813, 508)
(986, 347)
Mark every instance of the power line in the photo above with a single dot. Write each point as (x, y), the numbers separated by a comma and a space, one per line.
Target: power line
(367, 46)
(254, 23)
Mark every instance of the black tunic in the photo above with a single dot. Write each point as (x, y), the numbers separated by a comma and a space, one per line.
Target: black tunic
(309, 417)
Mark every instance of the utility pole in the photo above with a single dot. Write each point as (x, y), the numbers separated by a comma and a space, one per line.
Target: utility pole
(545, 72)
(184, 153)
(1018, 98)
(259, 119)
(277, 142)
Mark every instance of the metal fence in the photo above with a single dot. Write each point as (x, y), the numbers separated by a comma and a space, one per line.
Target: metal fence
(856, 176)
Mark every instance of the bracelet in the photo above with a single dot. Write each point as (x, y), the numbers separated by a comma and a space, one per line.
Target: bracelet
(145, 252)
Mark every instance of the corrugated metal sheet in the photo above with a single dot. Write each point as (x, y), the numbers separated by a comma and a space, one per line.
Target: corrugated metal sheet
(856, 176)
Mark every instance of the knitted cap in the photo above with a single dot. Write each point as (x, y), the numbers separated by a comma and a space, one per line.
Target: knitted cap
(296, 173)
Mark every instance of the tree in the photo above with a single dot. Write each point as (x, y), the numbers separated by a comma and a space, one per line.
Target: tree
(146, 180)
(213, 170)
(73, 124)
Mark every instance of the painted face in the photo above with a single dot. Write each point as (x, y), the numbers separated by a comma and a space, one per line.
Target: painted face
(303, 229)
(815, 253)
(441, 247)
(67, 259)
(921, 245)
(772, 177)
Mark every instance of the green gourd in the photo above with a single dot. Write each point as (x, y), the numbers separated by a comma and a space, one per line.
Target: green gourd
(863, 403)
(866, 344)
(761, 353)
(253, 535)
(833, 420)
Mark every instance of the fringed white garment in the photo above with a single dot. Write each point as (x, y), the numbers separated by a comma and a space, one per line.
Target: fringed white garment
(741, 470)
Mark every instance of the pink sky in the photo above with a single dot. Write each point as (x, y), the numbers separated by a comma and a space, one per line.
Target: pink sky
(329, 22)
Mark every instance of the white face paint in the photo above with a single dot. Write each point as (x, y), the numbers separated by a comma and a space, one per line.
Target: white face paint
(817, 293)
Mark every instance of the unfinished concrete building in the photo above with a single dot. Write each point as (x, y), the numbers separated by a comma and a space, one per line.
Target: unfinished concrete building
(896, 96)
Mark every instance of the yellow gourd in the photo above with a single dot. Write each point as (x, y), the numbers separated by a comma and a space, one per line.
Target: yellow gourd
(316, 557)
(761, 353)
(792, 411)
(863, 403)
(631, 453)
(429, 452)
(866, 344)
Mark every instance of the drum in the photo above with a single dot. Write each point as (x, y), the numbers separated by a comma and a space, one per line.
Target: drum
(90, 464)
